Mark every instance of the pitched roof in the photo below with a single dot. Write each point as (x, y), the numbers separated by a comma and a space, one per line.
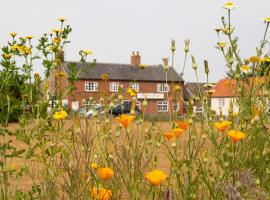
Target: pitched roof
(228, 88)
(225, 88)
(192, 88)
(125, 72)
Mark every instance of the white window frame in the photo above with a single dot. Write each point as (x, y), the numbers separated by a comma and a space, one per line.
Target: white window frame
(138, 104)
(65, 102)
(162, 106)
(114, 86)
(176, 106)
(91, 86)
(221, 102)
(163, 87)
(86, 102)
(135, 86)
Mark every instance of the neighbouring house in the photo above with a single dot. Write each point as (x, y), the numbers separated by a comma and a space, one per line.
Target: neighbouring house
(226, 92)
(191, 92)
(224, 96)
(149, 83)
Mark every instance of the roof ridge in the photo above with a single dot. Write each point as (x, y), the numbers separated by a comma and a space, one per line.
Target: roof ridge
(108, 63)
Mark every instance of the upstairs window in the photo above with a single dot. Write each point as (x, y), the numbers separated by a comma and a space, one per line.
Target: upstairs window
(135, 86)
(114, 86)
(162, 87)
(91, 86)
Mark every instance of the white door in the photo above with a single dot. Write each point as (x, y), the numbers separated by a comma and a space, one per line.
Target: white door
(75, 105)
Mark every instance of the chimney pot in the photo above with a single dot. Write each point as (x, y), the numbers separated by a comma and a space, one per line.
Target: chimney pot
(61, 55)
(135, 59)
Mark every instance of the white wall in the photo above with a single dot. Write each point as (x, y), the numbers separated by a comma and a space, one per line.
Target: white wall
(216, 107)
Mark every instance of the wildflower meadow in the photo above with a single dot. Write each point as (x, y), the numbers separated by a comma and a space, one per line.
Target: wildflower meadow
(51, 152)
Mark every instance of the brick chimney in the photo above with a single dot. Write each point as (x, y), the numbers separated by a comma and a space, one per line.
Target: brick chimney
(135, 58)
(61, 55)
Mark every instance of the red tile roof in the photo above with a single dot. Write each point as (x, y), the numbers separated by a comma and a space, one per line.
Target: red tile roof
(227, 88)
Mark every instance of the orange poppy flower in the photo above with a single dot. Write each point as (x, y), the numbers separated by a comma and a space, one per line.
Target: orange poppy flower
(105, 173)
(125, 120)
(178, 132)
(235, 135)
(222, 126)
(155, 177)
(101, 194)
(169, 135)
(183, 125)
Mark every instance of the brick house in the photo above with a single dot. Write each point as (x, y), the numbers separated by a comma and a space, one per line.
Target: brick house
(192, 92)
(149, 83)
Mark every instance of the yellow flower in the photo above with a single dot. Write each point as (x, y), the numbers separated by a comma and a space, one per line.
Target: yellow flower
(245, 68)
(57, 40)
(125, 120)
(104, 77)
(178, 132)
(169, 135)
(222, 126)
(265, 60)
(86, 52)
(222, 44)
(266, 19)
(208, 86)
(56, 31)
(210, 92)
(94, 165)
(183, 125)
(60, 74)
(15, 47)
(29, 37)
(60, 115)
(229, 5)
(101, 194)
(142, 66)
(13, 34)
(62, 19)
(234, 114)
(131, 92)
(105, 173)
(235, 135)
(7, 56)
(254, 59)
(176, 88)
(228, 31)
(155, 177)
(25, 50)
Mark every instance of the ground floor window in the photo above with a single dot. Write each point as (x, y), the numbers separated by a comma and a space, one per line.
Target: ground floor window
(162, 106)
(221, 102)
(176, 106)
(138, 104)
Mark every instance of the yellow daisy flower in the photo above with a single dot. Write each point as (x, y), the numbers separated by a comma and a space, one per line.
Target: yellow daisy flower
(229, 6)
(60, 115)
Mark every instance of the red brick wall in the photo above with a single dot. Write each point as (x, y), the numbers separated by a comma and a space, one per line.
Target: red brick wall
(103, 87)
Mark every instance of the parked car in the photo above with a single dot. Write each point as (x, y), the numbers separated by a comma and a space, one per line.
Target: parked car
(88, 113)
(123, 108)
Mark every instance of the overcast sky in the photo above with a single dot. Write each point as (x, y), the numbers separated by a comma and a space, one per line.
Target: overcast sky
(112, 29)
